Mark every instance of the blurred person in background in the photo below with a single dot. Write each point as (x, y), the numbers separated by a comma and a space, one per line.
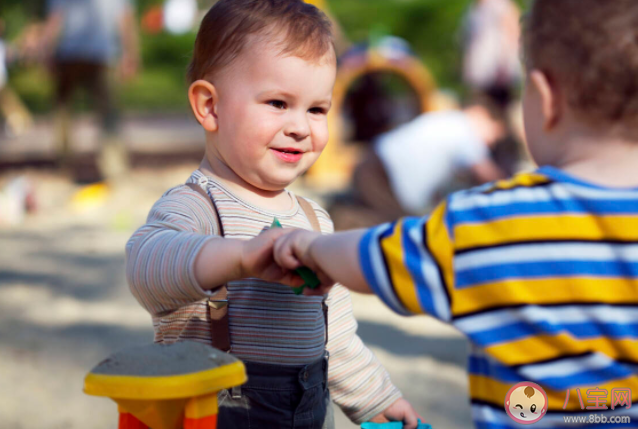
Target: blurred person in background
(369, 108)
(491, 64)
(410, 167)
(17, 117)
(3, 57)
(491, 67)
(84, 38)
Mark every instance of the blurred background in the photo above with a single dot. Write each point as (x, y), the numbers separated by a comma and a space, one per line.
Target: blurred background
(95, 126)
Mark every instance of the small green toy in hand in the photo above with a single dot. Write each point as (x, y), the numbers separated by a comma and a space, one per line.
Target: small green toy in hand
(310, 278)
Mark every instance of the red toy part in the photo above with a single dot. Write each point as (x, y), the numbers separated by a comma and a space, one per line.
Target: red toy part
(128, 421)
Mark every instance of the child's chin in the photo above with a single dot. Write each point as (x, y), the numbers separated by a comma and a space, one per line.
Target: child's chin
(282, 181)
(277, 184)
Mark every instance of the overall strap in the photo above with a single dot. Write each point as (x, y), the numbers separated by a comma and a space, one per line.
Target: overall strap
(310, 213)
(314, 222)
(195, 187)
(218, 304)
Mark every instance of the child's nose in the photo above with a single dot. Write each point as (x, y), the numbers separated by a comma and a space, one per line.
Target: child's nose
(298, 127)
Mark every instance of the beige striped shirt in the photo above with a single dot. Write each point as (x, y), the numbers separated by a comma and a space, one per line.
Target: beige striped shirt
(267, 322)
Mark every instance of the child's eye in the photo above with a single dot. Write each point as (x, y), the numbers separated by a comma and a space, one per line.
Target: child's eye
(318, 111)
(277, 104)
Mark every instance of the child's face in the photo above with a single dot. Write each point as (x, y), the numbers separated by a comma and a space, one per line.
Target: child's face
(272, 114)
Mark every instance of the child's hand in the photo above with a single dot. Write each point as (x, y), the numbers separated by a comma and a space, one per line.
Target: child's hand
(257, 260)
(399, 411)
(292, 250)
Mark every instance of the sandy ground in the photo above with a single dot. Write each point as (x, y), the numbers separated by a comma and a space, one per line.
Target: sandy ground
(65, 305)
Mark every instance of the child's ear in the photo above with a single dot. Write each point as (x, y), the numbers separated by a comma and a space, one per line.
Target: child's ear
(203, 99)
(549, 98)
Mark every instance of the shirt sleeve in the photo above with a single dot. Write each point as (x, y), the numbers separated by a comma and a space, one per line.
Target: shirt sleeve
(408, 264)
(160, 256)
(358, 383)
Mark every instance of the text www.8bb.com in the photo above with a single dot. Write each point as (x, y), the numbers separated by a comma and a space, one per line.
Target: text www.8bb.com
(597, 419)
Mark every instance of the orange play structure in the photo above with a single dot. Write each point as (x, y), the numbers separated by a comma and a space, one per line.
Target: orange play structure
(161, 386)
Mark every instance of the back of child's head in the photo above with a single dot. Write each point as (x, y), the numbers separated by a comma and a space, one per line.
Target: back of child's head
(301, 29)
(589, 50)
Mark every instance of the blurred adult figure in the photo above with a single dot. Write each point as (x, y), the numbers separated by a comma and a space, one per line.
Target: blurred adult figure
(85, 39)
(3, 57)
(17, 117)
(414, 165)
(491, 63)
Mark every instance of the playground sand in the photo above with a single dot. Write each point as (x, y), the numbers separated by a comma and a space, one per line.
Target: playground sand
(65, 307)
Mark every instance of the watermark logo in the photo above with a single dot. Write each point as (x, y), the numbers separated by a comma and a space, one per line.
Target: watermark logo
(620, 397)
(526, 403)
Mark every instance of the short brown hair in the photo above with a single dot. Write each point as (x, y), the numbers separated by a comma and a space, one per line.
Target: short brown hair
(590, 47)
(306, 31)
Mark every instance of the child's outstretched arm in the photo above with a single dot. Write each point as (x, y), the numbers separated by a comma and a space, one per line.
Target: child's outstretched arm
(176, 259)
(238, 259)
(409, 263)
(334, 257)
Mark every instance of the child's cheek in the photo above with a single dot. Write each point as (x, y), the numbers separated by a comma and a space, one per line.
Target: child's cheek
(266, 126)
(319, 137)
(256, 135)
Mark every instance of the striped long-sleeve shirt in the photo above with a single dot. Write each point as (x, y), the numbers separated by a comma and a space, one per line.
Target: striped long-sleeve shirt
(268, 323)
(540, 272)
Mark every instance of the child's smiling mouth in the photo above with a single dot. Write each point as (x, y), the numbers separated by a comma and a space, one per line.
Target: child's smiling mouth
(291, 155)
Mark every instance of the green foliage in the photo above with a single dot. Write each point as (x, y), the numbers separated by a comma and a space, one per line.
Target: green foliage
(166, 50)
(430, 26)
(35, 87)
(17, 13)
(161, 84)
(156, 89)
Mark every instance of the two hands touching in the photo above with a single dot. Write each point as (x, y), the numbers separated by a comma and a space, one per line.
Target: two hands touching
(275, 254)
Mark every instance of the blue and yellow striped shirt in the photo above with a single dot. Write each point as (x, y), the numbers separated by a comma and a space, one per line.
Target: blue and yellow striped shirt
(539, 271)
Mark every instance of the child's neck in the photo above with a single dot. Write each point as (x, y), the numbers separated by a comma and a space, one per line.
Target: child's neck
(600, 159)
(278, 201)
